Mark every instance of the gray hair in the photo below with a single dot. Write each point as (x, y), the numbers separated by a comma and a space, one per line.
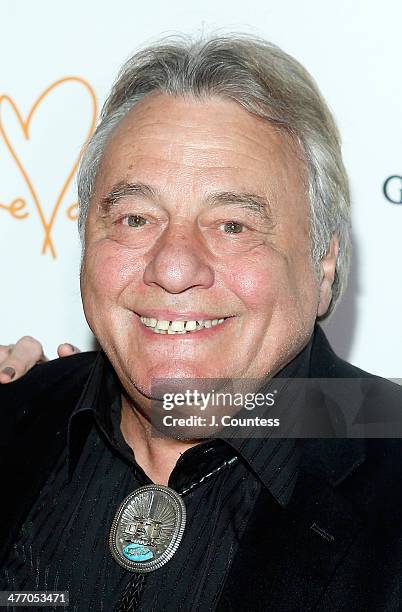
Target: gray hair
(266, 82)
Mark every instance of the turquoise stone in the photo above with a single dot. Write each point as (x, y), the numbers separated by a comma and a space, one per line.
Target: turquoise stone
(137, 552)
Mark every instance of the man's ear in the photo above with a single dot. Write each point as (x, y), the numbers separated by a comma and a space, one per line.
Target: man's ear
(327, 275)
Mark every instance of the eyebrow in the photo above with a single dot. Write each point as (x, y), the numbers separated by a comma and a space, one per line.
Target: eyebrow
(254, 202)
(122, 190)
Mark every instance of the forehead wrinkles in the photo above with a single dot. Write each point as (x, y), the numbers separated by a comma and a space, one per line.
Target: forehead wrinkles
(239, 157)
(196, 145)
(198, 123)
(248, 135)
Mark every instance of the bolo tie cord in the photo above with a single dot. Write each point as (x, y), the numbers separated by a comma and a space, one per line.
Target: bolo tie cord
(130, 600)
(131, 597)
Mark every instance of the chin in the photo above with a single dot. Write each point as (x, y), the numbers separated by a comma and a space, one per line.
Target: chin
(181, 370)
(173, 378)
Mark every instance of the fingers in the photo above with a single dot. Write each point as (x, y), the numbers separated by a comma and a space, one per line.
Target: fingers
(66, 349)
(17, 359)
(4, 351)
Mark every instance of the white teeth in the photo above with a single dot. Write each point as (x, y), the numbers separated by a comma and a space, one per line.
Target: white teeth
(191, 325)
(178, 327)
(162, 325)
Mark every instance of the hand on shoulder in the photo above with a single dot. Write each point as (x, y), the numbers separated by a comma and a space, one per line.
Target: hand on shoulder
(17, 359)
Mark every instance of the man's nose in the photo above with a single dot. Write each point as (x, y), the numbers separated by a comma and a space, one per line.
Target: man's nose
(179, 261)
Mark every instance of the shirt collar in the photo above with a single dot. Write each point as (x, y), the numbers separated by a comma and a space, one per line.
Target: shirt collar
(274, 461)
(99, 403)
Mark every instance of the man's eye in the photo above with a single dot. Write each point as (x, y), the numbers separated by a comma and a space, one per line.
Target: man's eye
(135, 220)
(232, 227)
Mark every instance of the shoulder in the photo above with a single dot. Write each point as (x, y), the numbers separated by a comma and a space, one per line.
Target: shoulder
(372, 388)
(326, 363)
(366, 461)
(44, 376)
(47, 385)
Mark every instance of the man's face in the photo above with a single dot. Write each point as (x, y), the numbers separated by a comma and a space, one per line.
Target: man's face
(199, 213)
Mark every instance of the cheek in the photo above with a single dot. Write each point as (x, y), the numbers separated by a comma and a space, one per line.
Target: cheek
(253, 286)
(269, 282)
(108, 269)
(260, 280)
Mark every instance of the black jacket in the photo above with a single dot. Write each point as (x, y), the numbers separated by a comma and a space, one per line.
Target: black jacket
(336, 546)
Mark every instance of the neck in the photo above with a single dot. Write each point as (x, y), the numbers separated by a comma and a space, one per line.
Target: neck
(156, 456)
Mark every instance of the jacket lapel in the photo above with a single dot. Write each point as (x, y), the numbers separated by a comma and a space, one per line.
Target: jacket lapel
(287, 556)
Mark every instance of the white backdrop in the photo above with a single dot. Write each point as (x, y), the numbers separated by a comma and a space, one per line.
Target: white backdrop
(59, 58)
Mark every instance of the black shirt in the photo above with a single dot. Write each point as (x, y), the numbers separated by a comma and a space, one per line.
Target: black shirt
(63, 544)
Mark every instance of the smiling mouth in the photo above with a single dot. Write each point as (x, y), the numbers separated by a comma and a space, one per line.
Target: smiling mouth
(179, 327)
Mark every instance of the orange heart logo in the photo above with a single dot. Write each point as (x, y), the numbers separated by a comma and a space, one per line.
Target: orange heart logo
(47, 224)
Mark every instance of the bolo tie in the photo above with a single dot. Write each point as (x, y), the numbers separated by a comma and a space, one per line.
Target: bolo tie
(147, 530)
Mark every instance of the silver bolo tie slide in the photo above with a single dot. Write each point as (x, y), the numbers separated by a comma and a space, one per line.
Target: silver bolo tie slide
(147, 528)
(149, 524)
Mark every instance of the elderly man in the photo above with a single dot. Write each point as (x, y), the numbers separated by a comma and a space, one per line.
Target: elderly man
(214, 215)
